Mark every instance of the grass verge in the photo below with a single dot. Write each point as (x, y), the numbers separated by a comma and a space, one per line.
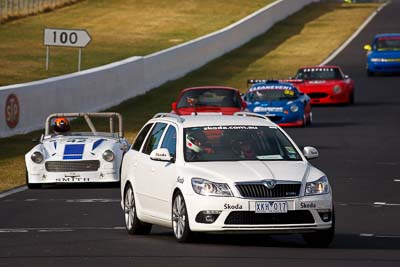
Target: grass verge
(119, 29)
(306, 38)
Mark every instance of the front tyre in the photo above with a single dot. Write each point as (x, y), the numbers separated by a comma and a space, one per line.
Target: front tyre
(305, 120)
(351, 98)
(321, 238)
(132, 223)
(309, 121)
(180, 219)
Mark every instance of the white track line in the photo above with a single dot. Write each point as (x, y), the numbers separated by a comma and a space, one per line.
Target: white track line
(379, 236)
(81, 200)
(376, 204)
(57, 230)
(367, 235)
(380, 203)
(94, 200)
(13, 191)
(368, 20)
(386, 204)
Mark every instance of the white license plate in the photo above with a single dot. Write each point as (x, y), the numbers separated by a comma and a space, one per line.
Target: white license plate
(271, 207)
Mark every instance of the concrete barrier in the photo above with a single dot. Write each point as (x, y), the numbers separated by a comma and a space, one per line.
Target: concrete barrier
(24, 107)
(86, 91)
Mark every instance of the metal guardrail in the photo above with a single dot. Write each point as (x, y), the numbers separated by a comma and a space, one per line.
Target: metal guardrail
(10, 9)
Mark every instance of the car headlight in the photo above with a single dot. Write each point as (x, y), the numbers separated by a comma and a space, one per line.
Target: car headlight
(378, 59)
(294, 108)
(337, 89)
(318, 187)
(37, 157)
(208, 188)
(108, 155)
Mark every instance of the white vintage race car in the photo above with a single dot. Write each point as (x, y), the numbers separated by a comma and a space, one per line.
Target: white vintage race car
(77, 157)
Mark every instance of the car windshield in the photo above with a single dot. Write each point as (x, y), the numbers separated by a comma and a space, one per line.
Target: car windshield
(271, 95)
(237, 143)
(388, 43)
(209, 97)
(319, 74)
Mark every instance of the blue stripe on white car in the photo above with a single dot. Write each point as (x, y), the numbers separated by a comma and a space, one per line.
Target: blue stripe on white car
(97, 143)
(74, 151)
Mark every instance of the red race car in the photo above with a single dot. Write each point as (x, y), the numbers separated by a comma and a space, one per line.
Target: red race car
(225, 100)
(325, 85)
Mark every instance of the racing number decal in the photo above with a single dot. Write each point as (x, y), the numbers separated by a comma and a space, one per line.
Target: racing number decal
(12, 111)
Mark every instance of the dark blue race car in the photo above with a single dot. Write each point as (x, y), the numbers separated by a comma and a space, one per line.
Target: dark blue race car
(384, 54)
(281, 102)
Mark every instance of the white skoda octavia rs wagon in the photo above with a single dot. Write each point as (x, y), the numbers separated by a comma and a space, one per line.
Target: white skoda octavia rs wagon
(216, 174)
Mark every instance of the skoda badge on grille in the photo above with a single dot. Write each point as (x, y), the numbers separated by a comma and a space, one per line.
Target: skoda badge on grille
(270, 184)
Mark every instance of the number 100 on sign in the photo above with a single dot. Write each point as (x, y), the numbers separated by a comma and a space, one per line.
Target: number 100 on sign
(64, 37)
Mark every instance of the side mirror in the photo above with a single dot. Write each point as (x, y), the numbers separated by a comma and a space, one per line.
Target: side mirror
(310, 152)
(161, 154)
(367, 47)
(244, 105)
(346, 77)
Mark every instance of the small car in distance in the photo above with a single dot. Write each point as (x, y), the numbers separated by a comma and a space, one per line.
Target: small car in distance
(66, 156)
(224, 174)
(219, 99)
(280, 101)
(325, 85)
(384, 54)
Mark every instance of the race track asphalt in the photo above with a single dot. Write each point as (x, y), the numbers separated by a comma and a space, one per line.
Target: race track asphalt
(359, 149)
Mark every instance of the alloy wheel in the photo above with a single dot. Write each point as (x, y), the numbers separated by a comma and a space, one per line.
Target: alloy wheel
(129, 209)
(179, 217)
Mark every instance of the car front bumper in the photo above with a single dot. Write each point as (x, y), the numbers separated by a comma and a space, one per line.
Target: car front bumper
(384, 66)
(85, 171)
(328, 98)
(292, 119)
(100, 176)
(304, 214)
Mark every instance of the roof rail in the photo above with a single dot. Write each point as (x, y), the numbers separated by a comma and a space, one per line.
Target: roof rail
(206, 113)
(168, 115)
(250, 114)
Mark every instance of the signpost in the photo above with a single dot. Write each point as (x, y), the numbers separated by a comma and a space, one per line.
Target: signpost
(68, 38)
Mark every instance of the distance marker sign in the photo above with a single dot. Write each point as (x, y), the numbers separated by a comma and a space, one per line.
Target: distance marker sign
(68, 38)
(64, 37)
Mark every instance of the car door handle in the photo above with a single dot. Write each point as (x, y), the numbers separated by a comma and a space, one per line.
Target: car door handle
(152, 169)
(135, 165)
